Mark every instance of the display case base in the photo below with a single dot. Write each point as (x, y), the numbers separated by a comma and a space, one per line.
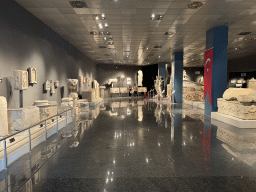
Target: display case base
(196, 104)
(239, 123)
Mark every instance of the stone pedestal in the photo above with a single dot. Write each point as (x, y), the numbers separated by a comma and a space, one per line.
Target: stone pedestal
(3, 117)
(89, 95)
(19, 119)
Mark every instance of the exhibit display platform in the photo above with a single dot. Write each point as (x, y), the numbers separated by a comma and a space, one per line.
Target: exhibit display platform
(20, 146)
(196, 104)
(92, 104)
(234, 121)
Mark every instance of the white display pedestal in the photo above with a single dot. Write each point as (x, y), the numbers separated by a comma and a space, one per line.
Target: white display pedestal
(239, 123)
(196, 104)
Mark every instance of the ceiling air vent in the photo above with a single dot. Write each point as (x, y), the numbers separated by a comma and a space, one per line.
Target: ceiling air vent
(244, 33)
(157, 47)
(102, 47)
(78, 4)
(194, 5)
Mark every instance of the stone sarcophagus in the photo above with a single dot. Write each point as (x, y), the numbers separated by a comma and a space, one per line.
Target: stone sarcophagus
(123, 90)
(114, 90)
(89, 95)
(19, 119)
(195, 93)
(47, 110)
(32, 75)
(238, 102)
(3, 117)
(142, 89)
(20, 79)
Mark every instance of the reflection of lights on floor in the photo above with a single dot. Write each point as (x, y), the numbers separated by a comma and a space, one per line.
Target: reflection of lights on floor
(107, 180)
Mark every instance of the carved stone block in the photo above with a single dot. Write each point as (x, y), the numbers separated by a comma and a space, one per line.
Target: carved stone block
(123, 90)
(46, 111)
(72, 83)
(97, 93)
(19, 119)
(52, 90)
(89, 95)
(47, 85)
(142, 89)
(20, 79)
(67, 102)
(56, 84)
(3, 117)
(32, 75)
(80, 80)
(114, 90)
(252, 83)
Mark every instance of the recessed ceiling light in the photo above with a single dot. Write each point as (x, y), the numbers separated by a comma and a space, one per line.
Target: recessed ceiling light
(153, 16)
(160, 17)
(106, 25)
(245, 39)
(235, 48)
(147, 48)
(97, 18)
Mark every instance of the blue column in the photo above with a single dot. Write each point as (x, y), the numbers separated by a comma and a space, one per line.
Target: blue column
(178, 76)
(162, 71)
(217, 38)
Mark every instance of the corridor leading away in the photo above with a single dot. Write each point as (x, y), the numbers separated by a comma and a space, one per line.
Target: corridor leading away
(133, 145)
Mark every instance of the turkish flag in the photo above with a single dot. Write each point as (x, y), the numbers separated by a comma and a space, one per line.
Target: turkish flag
(208, 73)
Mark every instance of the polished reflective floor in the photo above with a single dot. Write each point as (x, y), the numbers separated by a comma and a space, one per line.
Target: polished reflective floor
(135, 145)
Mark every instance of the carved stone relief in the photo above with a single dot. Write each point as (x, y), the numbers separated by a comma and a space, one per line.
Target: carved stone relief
(72, 83)
(32, 75)
(20, 79)
(47, 85)
(52, 90)
(3, 117)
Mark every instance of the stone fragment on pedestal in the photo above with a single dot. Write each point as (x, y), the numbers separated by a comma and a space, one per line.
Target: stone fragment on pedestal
(3, 117)
(89, 95)
(20, 79)
(19, 119)
(72, 83)
(47, 110)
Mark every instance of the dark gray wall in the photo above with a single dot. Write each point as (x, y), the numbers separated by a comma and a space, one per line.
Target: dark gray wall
(27, 42)
(191, 73)
(109, 71)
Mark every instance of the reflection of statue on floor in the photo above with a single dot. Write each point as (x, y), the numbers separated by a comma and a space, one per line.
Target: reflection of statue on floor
(158, 113)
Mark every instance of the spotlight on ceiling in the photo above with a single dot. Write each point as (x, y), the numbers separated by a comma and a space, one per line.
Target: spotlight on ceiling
(97, 18)
(106, 25)
(103, 16)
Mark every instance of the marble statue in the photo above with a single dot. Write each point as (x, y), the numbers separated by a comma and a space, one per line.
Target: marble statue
(20, 80)
(72, 83)
(47, 85)
(201, 80)
(3, 117)
(80, 79)
(56, 84)
(238, 102)
(19, 119)
(185, 77)
(140, 78)
(158, 86)
(52, 89)
(32, 75)
(110, 81)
